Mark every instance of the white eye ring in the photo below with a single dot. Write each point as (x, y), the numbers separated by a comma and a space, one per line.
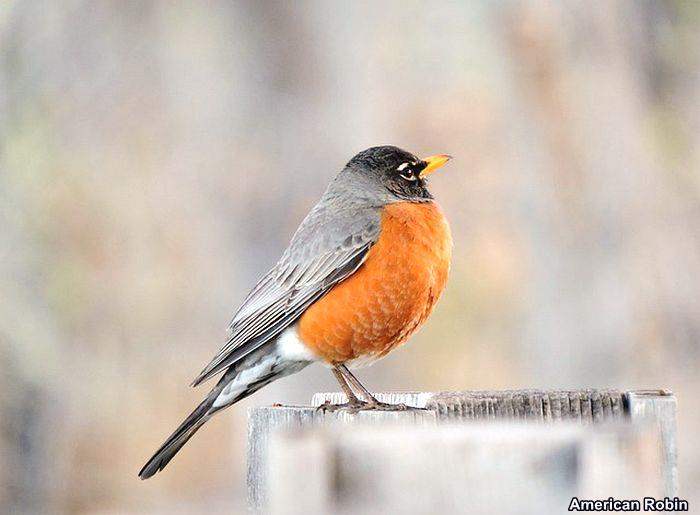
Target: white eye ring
(411, 177)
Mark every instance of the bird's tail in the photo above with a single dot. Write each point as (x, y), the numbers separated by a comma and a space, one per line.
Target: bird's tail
(239, 381)
(184, 432)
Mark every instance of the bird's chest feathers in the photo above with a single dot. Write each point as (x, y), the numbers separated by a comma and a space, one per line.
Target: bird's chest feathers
(415, 245)
(391, 294)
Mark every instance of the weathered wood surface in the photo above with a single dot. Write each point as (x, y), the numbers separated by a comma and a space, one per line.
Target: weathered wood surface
(583, 407)
(265, 421)
(505, 468)
(579, 405)
(659, 407)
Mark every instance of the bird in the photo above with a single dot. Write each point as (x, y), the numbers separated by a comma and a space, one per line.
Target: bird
(361, 274)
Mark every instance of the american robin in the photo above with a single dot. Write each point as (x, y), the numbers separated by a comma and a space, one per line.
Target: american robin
(361, 274)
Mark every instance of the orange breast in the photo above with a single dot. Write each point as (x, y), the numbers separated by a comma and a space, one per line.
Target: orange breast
(391, 295)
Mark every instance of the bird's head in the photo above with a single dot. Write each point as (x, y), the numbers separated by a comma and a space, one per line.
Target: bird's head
(395, 174)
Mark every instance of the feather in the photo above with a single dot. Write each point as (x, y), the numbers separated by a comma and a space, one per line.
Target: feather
(329, 246)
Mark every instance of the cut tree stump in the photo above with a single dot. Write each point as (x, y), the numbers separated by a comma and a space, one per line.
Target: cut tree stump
(312, 450)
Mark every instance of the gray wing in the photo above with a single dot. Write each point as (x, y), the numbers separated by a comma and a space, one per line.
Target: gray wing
(329, 246)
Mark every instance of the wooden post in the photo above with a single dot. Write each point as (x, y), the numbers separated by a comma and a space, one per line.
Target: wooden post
(264, 422)
(584, 407)
(503, 468)
(659, 407)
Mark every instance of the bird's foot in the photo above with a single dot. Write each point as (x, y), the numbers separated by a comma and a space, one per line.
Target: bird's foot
(373, 405)
(385, 406)
(350, 407)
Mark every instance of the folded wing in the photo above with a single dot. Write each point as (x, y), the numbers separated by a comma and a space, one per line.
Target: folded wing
(329, 246)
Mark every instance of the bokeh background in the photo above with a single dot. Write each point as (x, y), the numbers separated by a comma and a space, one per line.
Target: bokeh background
(156, 156)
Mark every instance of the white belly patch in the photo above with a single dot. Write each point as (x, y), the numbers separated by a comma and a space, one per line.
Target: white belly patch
(291, 348)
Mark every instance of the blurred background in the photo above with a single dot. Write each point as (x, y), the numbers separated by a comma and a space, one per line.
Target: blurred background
(156, 156)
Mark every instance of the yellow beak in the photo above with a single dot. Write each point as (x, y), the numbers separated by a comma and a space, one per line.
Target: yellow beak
(434, 162)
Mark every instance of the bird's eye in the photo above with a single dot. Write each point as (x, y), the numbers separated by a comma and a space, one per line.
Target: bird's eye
(407, 172)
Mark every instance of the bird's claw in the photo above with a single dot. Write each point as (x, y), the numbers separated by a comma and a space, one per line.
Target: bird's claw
(350, 407)
(355, 407)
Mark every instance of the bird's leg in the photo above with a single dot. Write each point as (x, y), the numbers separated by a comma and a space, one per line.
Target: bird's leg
(352, 398)
(372, 403)
(354, 404)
